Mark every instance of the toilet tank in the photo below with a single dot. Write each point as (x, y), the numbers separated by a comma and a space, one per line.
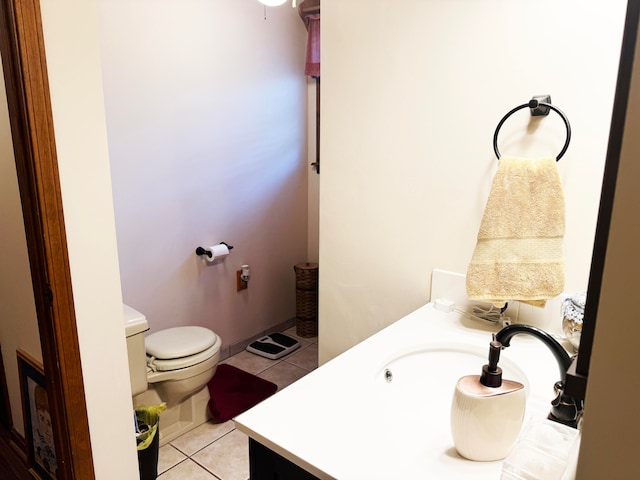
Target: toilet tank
(135, 324)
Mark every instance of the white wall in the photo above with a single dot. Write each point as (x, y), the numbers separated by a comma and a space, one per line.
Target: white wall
(412, 92)
(234, 145)
(73, 62)
(18, 320)
(206, 119)
(393, 140)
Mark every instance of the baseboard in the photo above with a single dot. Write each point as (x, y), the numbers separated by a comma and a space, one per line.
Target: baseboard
(241, 345)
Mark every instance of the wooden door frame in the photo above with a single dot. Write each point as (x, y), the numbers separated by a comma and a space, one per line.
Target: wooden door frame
(25, 73)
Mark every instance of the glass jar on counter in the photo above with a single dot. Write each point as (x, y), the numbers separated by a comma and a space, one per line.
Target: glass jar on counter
(572, 317)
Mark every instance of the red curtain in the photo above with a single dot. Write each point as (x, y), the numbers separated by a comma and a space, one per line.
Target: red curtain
(312, 64)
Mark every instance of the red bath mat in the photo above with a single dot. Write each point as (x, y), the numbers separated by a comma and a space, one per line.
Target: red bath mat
(234, 391)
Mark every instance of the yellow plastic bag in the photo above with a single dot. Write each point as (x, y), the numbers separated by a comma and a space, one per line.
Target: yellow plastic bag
(147, 420)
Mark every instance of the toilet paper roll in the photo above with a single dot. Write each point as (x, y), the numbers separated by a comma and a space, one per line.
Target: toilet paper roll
(217, 252)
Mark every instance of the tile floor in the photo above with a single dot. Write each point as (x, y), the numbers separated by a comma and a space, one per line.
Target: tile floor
(219, 451)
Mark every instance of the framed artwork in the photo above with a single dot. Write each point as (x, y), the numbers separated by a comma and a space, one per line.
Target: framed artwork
(37, 418)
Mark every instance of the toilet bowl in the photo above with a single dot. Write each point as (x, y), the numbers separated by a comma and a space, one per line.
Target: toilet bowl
(181, 361)
(172, 366)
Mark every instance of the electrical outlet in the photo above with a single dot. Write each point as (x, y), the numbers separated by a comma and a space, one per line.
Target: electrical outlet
(240, 283)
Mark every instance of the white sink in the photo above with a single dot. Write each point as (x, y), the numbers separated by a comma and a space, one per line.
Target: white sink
(364, 426)
(416, 384)
(427, 369)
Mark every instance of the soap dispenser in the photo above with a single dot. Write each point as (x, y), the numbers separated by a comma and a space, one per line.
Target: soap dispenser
(487, 412)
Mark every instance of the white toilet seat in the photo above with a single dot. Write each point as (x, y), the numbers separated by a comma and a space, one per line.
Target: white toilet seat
(179, 348)
(178, 342)
(165, 365)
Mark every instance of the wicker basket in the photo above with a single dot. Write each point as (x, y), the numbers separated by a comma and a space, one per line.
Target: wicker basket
(307, 304)
(306, 299)
(306, 328)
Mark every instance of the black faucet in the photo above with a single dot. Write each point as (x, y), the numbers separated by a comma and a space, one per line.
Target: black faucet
(564, 408)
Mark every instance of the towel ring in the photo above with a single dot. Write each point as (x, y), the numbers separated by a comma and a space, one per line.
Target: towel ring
(535, 104)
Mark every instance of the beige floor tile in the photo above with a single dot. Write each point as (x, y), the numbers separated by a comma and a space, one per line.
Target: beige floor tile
(303, 341)
(187, 470)
(305, 357)
(227, 458)
(201, 436)
(218, 451)
(168, 457)
(250, 362)
(283, 374)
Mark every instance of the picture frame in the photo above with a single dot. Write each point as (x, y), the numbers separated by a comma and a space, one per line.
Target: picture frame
(38, 431)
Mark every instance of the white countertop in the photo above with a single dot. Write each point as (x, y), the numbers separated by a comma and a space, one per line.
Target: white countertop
(340, 422)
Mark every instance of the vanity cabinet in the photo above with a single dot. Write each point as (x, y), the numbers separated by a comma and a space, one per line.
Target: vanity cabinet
(265, 464)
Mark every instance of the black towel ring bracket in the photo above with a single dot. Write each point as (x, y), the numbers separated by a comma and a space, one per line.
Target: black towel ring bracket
(537, 108)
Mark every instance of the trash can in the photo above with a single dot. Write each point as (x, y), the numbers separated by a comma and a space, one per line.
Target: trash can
(147, 423)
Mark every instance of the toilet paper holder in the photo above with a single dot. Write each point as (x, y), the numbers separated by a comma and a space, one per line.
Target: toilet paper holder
(203, 251)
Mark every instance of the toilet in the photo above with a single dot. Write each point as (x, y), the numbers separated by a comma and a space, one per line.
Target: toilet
(172, 366)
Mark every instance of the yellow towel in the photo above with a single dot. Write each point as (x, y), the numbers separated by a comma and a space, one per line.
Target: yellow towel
(519, 253)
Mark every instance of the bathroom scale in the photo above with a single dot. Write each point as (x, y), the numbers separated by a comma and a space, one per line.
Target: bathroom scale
(273, 346)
